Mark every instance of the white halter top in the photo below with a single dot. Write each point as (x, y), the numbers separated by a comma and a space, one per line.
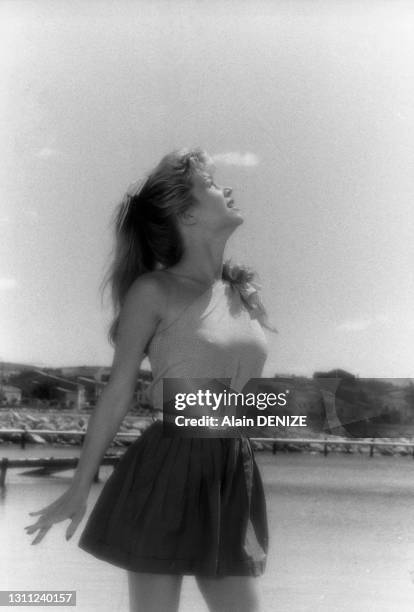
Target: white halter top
(214, 336)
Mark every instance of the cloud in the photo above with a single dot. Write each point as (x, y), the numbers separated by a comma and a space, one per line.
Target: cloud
(31, 213)
(362, 324)
(46, 153)
(355, 325)
(7, 284)
(383, 319)
(234, 158)
(5, 220)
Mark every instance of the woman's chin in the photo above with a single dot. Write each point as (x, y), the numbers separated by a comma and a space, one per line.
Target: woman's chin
(238, 217)
(235, 221)
(231, 222)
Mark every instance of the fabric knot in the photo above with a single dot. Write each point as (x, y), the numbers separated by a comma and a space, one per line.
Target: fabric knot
(249, 293)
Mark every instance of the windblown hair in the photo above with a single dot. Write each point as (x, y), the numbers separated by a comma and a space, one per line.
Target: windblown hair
(146, 231)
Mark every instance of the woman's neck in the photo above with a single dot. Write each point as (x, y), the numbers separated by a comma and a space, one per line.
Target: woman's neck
(202, 261)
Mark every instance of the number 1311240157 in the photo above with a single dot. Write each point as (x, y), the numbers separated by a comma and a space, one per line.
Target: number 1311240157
(38, 598)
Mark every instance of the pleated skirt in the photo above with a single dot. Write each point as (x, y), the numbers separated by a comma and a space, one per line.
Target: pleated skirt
(190, 506)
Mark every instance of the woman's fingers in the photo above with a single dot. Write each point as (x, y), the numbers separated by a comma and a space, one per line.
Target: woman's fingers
(47, 508)
(42, 523)
(71, 505)
(46, 519)
(42, 532)
(76, 519)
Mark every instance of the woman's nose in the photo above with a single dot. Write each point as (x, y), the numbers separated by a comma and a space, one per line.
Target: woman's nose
(228, 191)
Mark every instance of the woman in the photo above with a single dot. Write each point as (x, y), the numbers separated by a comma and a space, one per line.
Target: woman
(175, 506)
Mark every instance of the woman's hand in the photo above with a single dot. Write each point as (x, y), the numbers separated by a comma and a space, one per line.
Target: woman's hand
(70, 505)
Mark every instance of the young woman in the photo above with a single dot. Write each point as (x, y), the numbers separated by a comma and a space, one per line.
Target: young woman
(175, 506)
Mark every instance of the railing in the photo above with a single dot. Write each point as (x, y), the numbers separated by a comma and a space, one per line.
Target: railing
(371, 442)
(25, 433)
(48, 465)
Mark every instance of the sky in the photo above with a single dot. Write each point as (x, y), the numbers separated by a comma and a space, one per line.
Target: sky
(309, 110)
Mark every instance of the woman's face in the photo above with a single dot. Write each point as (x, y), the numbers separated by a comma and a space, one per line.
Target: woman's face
(214, 206)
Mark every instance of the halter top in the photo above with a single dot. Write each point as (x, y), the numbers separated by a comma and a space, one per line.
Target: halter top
(214, 336)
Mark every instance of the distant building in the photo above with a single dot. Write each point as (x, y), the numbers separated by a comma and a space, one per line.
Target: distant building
(71, 398)
(74, 386)
(102, 374)
(10, 394)
(94, 386)
(80, 371)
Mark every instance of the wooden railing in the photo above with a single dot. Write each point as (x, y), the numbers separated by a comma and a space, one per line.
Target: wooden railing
(49, 465)
(24, 434)
(371, 442)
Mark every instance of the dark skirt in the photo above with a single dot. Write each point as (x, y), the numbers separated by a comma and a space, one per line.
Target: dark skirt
(192, 506)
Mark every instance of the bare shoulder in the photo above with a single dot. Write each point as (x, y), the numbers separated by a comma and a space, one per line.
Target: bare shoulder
(158, 296)
(149, 283)
(142, 310)
(148, 290)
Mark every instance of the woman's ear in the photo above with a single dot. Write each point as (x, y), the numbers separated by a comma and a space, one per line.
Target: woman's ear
(187, 217)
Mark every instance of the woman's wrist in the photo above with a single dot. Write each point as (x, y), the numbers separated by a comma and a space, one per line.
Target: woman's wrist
(80, 487)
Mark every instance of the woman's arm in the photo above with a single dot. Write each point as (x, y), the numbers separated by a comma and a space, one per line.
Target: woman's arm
(140, 315)
(142, 310)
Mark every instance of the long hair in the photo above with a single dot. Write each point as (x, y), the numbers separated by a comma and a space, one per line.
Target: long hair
(146, 232)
